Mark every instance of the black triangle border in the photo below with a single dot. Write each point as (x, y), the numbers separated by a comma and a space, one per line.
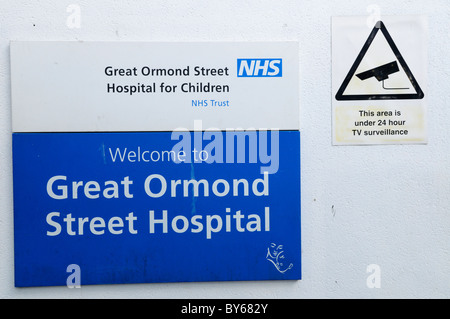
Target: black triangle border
(379, 26)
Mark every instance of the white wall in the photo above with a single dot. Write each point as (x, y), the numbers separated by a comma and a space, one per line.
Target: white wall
(361, 205)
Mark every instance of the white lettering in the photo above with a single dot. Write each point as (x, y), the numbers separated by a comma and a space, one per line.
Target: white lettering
(211, 224)
(162, 189)
(97, 225)
(63, 189)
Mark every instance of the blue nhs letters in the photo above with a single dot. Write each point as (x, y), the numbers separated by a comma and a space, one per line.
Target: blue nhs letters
(259, 67)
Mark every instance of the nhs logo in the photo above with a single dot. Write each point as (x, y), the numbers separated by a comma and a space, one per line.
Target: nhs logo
(260, 68)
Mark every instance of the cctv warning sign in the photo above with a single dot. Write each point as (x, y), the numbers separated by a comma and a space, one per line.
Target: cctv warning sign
(379, 76)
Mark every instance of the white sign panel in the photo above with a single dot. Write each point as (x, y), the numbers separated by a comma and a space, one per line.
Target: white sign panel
(117, 86)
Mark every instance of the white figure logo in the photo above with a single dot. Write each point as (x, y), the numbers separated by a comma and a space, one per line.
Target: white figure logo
(275, 255)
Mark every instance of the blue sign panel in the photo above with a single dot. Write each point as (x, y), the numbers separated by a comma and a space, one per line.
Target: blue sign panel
(136, 207)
